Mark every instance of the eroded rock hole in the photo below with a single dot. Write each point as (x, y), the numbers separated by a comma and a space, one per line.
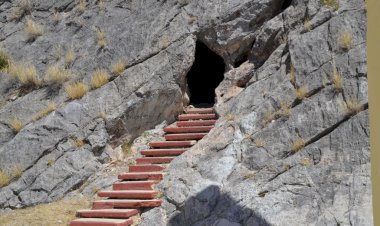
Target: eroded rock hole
(204, 76)
(240, 60)
(286, 4)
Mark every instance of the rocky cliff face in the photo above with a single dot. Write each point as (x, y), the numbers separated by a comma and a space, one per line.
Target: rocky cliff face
(291, 146)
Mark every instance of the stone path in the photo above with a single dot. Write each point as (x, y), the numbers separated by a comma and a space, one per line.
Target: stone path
(135, 190)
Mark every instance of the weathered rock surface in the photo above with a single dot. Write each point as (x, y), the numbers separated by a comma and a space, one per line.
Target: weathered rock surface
(247, 170)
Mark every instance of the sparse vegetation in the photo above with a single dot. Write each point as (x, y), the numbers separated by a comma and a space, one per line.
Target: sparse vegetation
(50, 162)
(4, 178)
(24, 73)
(192, 19)
(306, 162)
(82, 6)
(345, 40)
(284, 109)
(164, 41)
(353, 106)
(268, 118)
(69, 57)
(250, 175)
(259, 142)
(4, 60)
(103, 115)
(33, 29)
(16, 124)
(230, 117)
(337, 79)
(56, 17)
(16, 172)
(101, 38)
(99, 78)
(301, 92)
(127, 149)
(23, 7)
(57, 52)
(101, 4)
(183, 2)
(49, 108)
(57, 75)
(78, 142)
(307, 24)
(118, 67)
(76, 90)
(284, 39)
(95, 189)
(333, 4)
(298, 144)
(292, 74)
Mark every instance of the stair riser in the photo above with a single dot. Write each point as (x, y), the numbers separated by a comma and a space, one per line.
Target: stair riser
(153, 161)
(105, 214)
(159, 153)
(130, 196)
(90, 223)
(173, 137)
(137, 168)
(196, 117)
(101, 205)
(200, 111)
(139, 177)
(119, 187)
(188, 129)
(195, 123)
(178, 144)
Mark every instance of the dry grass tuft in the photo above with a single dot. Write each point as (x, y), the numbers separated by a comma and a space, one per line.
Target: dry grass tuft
(353, 106)
(69, 57)
(4, 179)
(183, 2)
(306, 162)
(192, 19)
(24, 73)
(307, 24)
(76, 90)
(118, 67)
(333, 4)
(103, 115)
(57, 75)
(301, 92)
(78, 142)
(345, 40)
(298, 144)
(165, 41)
(259, 142)
(230, 117)
(55, 213)
(292, 74)
(127, 149)
(4, 60)
(337, 79)
(82, 6)
(16, 124)
(16, 172)
(33, 29)
(50, 162)
(268, 118)
(49, 108)
(284, 109)
(101, 35)
(57, 52)
(23, 7)
(99, 78)
(249, 175)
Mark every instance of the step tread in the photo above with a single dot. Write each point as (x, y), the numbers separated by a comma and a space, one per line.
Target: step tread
(163, 152)
(185, 143)
(186, 117)
(187, 129)
(101, 221)
(111, 213)
(199, 110)
(111, 203)
(136, 194)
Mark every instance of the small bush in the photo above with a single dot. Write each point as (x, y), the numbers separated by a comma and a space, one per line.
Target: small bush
(49, 108)
(4, 179)
(16, 124)
(307, 24)
(57, 75)
(345, 40)
(353, 106)
(99, 78)
(76, 90)
(25, 6)
(259, 142)
(118, 67)
(4, 60)
(69, 57)
(82, 6)
(301, 92)
(25, 74)
(16, 172)
(78, 142)
(33, 29)
(101, 38)
(333, 4)
(337, 79)
(298, 144)
(284, 109)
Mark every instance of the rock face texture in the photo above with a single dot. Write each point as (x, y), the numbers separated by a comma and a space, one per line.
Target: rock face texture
(291, 146)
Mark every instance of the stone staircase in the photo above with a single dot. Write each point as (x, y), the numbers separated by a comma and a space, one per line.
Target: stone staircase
(135, 190)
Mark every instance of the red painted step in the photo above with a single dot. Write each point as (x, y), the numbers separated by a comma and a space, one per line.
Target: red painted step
(185, 136)
(163, 152)
(125, 203)
(129, 194)
(101, 222)
(199, 111)
(195, 123)
(167, 144)
(110, 213)
(192, 129)
(186, 117)
(141, 176)
(146, 168)
(154, 160)
(134, 185)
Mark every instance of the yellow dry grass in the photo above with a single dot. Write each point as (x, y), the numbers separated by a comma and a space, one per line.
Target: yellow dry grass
(345, 40)
(16, 172)
(33, 29)
(353, 106)
(49, 108)
(306, 162)
(99, 78)
(4, 60)
(16, 124)
(57, 75)
(4, 180)
(76, 90)
(230, 117)
(118, 67)
(298, 144)
(101, 35)
(307, 24)
(103, 115)
(78, 142)
(292, 74)
(24, 73)
(333, 4)
(55, 213)
(259, 142)
(69, 57)
(301, 92)
(337, 79)
(82, 6)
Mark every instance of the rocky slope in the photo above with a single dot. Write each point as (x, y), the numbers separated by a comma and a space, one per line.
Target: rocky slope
(291, 146)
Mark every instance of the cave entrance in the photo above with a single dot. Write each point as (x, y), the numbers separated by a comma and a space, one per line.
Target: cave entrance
(204, 76)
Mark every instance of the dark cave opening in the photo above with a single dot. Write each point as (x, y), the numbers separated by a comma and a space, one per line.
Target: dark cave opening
(240, 60)
(204, 76)
(286, 4)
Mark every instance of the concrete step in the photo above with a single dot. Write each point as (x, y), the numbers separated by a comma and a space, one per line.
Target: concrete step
(146, 168)
(199, 111)
(129, 194)
(168, 144)
(108, 213)
(186, 117)
(153, 160)
(134, 185)
(163, 152)
(188, 129)
(185, 136)
(141, 176)
(125, 203)
(195, 123)
(101, 222)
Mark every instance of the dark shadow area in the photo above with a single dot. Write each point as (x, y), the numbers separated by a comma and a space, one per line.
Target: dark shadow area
(211, 207)
(240, 60)
(286, 4)
(204, 76)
